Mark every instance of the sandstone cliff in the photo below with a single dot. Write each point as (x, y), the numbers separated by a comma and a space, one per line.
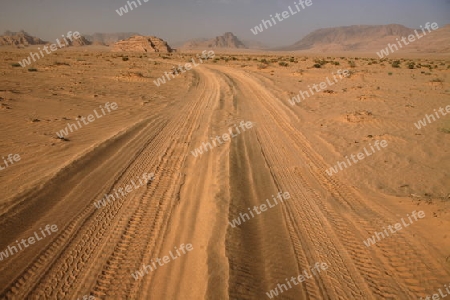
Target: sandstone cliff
(142, 44)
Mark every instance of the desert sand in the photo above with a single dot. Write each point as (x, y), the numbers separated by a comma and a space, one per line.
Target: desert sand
(192, 200)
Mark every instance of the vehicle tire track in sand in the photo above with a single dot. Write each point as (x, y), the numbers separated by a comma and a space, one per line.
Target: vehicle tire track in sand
(191, 200)
(80, 244)
(380, 269)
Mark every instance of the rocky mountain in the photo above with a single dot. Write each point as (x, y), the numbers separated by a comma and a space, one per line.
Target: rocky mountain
(436, 42)
(82, 41)
(19, 39)
(228, 40)
(139, 43)
(109, 38)
(351, 38)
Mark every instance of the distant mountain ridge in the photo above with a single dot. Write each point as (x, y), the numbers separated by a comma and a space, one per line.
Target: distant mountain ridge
(22, 39)
(228, 41)
(347, 38)
(19, 39)
(365, 38)
(109, 38)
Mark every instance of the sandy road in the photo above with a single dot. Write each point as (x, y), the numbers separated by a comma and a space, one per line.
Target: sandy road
(192, 200)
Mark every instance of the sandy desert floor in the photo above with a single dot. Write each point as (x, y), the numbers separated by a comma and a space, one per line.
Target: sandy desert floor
(192, 200)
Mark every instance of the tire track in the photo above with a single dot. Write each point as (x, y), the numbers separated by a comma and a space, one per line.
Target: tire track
(345, 233)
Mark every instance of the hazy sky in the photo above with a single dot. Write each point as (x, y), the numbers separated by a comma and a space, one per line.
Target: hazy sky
(180, 20)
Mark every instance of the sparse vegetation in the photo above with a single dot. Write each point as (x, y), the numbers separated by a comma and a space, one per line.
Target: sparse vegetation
(32, 70)
(396, 64)
(15, 65)
(262, 66)
(58, 63)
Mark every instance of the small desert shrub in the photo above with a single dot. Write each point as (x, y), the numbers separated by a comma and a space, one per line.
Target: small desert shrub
(336, 63)
(411, 65)
(436, 80)
(264, 61)
(321, 61)
(262, 66)
(283, 64)
(396, 64)
(58, 63)
(352, 64)
(16, 65)
(32, 70)
(125, 58)
(318, 66)
(390, 73)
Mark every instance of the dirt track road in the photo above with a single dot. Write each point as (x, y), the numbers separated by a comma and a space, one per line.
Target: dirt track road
(192, 199)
